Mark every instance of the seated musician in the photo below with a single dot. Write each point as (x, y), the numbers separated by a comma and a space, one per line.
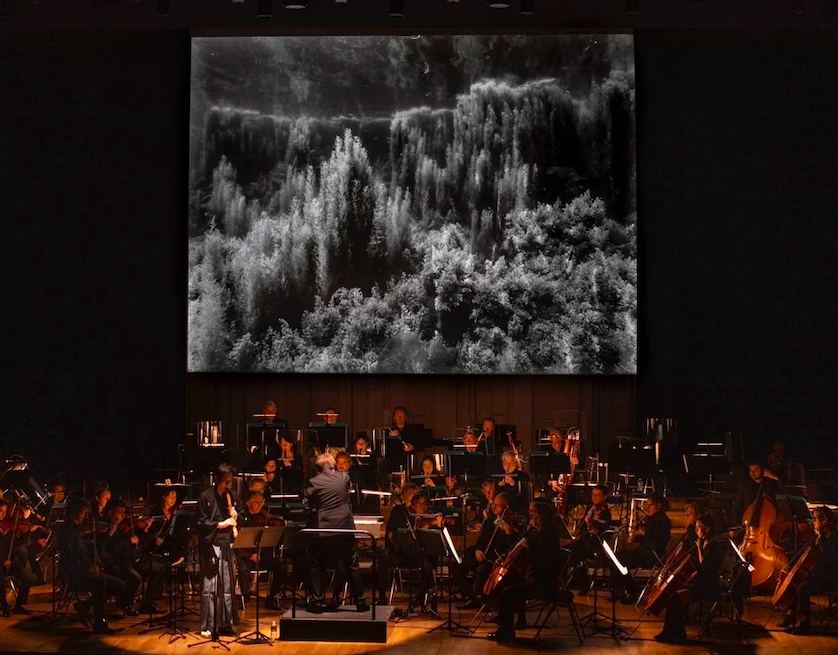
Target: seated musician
(541, 582)
(823, 577)
(556, 441)
(597, 519)
(396, 556)
(269, 475)
(703, 585)
(152, 540)
(748, 490)
(498, 532)
(490, 437)
(256, 515)
(692, 511)
(488, 489)
(83, 572)
(653, 533)
(118, 554)
(429, 476)
(15, 562)
(289, 467)
(99, 504)
(472, 443)
(514, 482)
(412, 438)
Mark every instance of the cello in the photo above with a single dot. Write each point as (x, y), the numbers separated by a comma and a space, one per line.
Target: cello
(764, 526)
(682, 567)
(787, 585)
(515, 564)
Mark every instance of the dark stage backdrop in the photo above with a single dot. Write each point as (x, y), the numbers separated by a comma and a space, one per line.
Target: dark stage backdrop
(736, 146)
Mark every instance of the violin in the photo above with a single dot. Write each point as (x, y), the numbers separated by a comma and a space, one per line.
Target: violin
(10, 525)
(437, 521)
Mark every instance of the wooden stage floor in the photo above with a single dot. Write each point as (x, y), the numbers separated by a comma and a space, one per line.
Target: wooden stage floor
(413, 637)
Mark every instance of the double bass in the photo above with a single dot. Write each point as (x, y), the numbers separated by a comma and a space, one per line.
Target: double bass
(764, 526)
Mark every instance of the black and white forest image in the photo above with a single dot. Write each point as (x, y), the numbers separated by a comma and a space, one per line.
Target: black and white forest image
(413, 204)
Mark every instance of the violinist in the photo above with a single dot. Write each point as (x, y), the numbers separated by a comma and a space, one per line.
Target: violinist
(823, 577)
(256, 516)
(596, 520)
(99, 504)
(653, 534)
(704, 583)
(514, 480)
(118, 547)
(83, 571)
(748, 491)
(15, 561)
(541, 580)
(397, 556)
(498, 532)
(217, 515)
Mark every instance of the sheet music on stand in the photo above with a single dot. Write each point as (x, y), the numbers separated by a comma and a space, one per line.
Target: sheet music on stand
(449, 542)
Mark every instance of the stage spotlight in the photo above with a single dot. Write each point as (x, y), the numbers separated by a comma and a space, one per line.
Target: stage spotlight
(296, 4)
(396, 8)
(162, 8)
(498, 4)
(633, 7)
(265, 10)
(527, 7)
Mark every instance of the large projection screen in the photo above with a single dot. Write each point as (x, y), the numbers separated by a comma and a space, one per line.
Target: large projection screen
(413, 204)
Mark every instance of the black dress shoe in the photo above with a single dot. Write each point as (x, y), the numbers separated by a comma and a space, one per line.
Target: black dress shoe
(804, 628)
(501, 637)
(22, 611)
(7, 612)
(81, 611)
(228, 631)
(130, 611)
(315, 608)
(104, 629)
(362, 607)
(788, 621)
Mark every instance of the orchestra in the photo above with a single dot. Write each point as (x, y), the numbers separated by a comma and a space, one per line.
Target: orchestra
(512, 550)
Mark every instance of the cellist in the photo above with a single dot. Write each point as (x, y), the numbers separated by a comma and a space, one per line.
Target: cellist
(823, 577)
(541, 582)
(704, 585)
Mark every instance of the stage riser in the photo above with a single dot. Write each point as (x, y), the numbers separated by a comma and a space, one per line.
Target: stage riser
(323, 627)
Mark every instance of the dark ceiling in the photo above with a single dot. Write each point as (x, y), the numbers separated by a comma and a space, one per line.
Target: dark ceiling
(360, 15)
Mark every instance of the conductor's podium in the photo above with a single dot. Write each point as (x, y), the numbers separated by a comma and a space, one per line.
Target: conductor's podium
(344, 624)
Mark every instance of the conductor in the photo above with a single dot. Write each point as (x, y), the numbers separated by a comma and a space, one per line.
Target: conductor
(327, 504)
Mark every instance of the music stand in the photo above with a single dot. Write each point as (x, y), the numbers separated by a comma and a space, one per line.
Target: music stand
(742, 566)
(463, 464)
(439, 543)
(257, 538)
(795, 510)
(405, 538)
(614, 628)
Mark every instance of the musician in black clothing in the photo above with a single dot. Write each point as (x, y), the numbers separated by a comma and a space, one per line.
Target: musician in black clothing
(269, 474)
(747, 492)
(547, 562)
(498, 532)
(217, 513)
(514, 482)
(289, 467)
(118, 554)
(396, 556)
(83, 572)
(704, 585)
(15, 563)
(653, 534)
(585, 543)
(693, 511)
(823, 577)
(256, 516)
